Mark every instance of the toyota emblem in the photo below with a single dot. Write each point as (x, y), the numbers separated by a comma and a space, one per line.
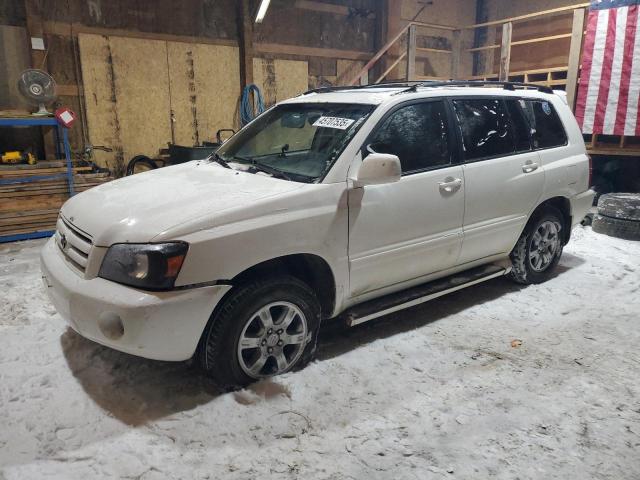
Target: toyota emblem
(63, 241)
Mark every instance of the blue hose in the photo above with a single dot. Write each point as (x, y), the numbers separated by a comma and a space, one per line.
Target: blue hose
(248, 111)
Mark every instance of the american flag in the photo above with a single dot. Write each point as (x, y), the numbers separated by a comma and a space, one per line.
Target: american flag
(609, 90)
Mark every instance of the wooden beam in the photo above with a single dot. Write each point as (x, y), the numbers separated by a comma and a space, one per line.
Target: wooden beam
(35, 29)
(411, 53)
(245, 43)
(574, 55)
(456, 51)
(528, 16)
(505, 51)
(523, 42)
(277, 48)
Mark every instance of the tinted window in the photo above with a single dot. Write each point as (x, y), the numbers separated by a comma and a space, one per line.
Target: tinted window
(546, 128)
(485, 128)
(520, 126)
(418, 134)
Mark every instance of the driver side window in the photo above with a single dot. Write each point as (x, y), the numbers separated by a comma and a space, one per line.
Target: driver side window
(418, 134)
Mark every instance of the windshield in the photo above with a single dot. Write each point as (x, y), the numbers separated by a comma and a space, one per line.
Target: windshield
(298, 141)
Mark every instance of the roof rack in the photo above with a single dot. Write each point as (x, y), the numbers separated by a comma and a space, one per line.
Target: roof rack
(414, 85)
(479, 83)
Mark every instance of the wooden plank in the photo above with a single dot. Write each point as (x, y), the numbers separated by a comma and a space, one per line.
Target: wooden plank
(411, 53)
(575, 49)
(433, 50)
(528, 16)
(505, 51)
(435, 26)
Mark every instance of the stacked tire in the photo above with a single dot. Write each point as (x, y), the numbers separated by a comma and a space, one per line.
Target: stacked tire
(618, 215)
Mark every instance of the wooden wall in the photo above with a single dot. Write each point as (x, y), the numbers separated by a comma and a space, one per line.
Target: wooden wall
(151, 58)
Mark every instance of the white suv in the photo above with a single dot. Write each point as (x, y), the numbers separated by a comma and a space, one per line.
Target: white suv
(342, 203)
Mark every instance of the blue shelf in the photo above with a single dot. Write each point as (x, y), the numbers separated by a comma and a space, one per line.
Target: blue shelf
(61, 133)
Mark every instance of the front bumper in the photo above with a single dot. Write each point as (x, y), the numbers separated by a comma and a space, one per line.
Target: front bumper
(156, 325)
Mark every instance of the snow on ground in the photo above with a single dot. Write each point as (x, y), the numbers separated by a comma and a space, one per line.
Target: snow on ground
(435, 392)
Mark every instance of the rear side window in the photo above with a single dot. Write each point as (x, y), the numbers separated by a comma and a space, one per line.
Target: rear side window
(547, 130)
(521, 129)
(485, 127)
(418, 134)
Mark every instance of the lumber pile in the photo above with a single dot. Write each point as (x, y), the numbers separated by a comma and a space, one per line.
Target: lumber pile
(29, 204)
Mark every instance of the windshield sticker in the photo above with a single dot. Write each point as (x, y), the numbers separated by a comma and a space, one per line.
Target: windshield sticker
(333, 122)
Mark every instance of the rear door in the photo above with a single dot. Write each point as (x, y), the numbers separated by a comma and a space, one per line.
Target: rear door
(503, 175)
(404, 230)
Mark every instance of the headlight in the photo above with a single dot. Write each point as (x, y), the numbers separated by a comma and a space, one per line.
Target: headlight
(148, 266)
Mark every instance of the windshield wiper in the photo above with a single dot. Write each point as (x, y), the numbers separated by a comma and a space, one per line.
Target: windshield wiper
(274, 172)
(216, 157)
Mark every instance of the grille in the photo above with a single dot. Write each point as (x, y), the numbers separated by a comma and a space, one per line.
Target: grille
(74, 244)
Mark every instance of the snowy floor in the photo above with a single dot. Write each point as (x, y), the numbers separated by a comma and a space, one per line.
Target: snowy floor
(441, 391)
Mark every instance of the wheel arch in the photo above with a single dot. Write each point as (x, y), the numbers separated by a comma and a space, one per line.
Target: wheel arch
(563, 205)
(309, 268)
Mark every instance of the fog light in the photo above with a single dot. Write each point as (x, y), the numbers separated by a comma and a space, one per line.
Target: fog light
(110, 325)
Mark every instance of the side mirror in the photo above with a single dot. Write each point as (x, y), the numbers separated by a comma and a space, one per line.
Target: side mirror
(378, 168)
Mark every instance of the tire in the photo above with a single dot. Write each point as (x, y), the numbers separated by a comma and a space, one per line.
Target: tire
(616, 227)
(139, 164)
(535, 265)
(625, 206)
(228, 362)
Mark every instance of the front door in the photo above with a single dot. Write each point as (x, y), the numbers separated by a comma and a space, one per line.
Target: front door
(402, 231)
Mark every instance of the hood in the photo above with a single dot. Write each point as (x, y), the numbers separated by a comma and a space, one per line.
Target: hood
(142, 206)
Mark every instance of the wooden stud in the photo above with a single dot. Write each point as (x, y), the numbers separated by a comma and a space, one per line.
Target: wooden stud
(456, 50)
(575, 49)
(411, 53)
(505, 51)
(245, 36)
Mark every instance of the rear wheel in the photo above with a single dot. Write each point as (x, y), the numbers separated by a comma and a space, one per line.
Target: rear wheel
(262, 329)
(538, 249)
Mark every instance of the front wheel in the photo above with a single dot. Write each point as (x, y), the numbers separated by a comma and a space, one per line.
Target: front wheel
(538, 249)
(262, 329)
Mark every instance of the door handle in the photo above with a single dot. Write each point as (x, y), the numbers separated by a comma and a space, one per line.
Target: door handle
(529, 167)
(450, 185)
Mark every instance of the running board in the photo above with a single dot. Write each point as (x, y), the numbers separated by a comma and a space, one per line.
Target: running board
(422, 293)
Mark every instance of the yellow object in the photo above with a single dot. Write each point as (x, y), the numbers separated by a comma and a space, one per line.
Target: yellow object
(18, 157)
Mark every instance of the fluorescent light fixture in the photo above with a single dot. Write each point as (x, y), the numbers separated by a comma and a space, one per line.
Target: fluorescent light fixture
(262, 10)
